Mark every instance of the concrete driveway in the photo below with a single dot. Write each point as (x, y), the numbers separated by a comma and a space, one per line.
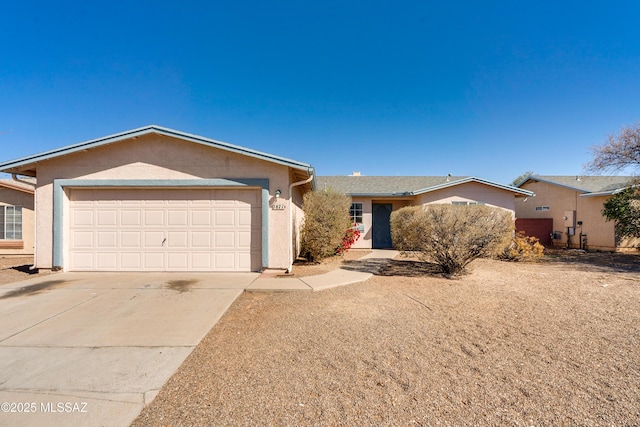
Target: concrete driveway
(95, 348)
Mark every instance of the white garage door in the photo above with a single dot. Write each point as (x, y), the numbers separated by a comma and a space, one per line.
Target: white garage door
(164, 230)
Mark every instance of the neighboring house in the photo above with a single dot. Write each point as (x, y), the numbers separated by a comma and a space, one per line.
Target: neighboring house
(375, 197)
(156, 199)
(16, 218)
(567, 211)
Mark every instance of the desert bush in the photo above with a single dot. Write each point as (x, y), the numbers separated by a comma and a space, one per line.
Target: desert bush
(522, 248)
(451, 236)
(326, 217)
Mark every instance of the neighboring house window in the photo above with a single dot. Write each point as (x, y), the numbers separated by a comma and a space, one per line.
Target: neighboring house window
(10, 222)
(466, 203)
(542, 208)
(355, 212)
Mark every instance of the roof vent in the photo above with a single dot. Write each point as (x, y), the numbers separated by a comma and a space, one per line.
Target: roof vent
(355, 173)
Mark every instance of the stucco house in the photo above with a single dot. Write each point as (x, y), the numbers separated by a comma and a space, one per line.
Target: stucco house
(16, 217)
(567, 211)
(375, 197)
(157, 199)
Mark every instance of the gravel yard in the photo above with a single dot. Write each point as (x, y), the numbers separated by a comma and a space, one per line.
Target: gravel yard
(548, 343)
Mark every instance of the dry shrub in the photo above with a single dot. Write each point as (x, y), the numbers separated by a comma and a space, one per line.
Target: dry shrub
(451, 236)
(326, 217)
(523, 248)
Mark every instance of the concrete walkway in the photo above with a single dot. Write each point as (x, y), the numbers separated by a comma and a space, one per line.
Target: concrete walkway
(353, 272)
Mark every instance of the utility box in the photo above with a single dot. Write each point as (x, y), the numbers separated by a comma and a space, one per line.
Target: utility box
(569, 218)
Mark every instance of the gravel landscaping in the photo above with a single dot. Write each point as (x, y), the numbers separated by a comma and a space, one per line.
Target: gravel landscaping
(548, 343)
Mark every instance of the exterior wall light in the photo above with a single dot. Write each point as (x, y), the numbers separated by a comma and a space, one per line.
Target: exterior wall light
(278, 193)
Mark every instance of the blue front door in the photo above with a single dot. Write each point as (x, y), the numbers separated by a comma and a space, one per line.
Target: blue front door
(382, 225)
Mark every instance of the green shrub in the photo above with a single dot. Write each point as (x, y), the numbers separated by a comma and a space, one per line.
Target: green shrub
(326, 218)
(523, 248)
(451, 236)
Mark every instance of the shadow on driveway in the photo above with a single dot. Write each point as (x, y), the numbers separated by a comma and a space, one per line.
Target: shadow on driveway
(35, 288)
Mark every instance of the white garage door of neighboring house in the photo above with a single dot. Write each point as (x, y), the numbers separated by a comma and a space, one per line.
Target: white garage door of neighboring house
(165, 230)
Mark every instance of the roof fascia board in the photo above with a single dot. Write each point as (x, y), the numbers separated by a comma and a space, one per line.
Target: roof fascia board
(15, 187)
(407, 194)
(546, 181)
(607, 193)
(159, 130)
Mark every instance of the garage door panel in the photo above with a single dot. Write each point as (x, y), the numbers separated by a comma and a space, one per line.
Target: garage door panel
(178, 260)
(225, 261)
(130, 218)
(244, 217)
(107, 260)
(82, 261)
(178, 239)
(225, 218)
(201, 218)
(178, 217)
(131, 239)
(153, 218)
(201, 239)
(225, 239)
(82, 217)
(244, 239)
(131, 261)
(82, 239)
(154, 260)
(161, 229)
(201, 261)
(154, 239)
(107, 239)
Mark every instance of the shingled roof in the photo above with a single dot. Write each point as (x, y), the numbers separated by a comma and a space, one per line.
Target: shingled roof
(589, 185)
(359, 185)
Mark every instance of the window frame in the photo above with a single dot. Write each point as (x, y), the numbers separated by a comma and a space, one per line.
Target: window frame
(466, 203)
(11, 222)
(353, 212)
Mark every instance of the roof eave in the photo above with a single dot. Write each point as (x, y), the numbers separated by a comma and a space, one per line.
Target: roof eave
(546, 181)
(478, 180)
(134, 133)
(17, 187)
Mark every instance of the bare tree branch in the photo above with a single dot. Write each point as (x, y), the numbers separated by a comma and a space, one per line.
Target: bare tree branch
(619, 152)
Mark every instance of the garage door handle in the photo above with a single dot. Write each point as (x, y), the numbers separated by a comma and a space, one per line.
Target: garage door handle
(165, 239)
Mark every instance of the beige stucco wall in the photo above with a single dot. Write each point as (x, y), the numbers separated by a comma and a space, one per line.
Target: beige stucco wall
(160, 157)
(600, 233)
(11, 197)
(469, 192)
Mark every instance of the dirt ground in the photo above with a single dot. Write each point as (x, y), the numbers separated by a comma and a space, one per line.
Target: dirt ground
(548, 343)
(556, 342)
(16, 269)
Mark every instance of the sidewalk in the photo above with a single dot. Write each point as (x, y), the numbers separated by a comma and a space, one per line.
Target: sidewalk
(353, 272)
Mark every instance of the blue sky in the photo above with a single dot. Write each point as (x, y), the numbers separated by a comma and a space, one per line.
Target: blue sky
(490, 89)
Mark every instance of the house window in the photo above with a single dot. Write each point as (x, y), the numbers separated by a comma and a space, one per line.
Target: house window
(10, 222)
(542, 208)
(355, 212)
